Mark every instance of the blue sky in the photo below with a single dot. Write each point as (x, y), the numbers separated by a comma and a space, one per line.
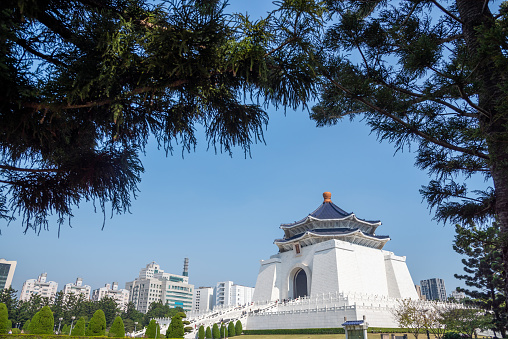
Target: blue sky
(223, 213)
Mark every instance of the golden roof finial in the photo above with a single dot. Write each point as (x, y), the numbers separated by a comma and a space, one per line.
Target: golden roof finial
(327, 196)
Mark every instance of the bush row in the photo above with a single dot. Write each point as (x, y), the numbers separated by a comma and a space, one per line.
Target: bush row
(46, 336)
(297, 331)
(324, 331)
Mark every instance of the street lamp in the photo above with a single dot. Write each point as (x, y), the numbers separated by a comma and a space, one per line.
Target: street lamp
(59, 323)
(135, 324)
(72, 322)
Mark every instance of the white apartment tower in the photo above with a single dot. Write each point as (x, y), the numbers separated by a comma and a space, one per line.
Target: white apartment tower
(228, 293)
(121, 296)
(39, 286)
(203, 299)
(154, 285)
(78, 289)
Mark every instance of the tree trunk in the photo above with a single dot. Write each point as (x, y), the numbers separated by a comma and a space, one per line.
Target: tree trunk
(490, 76)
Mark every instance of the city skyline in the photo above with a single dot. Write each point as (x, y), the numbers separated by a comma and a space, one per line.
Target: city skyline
(223, 213)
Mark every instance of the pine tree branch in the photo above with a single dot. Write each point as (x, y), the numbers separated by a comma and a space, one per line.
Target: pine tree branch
(31, 170)
(24, 44)
(447, 12)
(408, 126)
(39, 106)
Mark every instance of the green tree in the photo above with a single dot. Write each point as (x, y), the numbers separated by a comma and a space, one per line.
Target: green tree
(175, 329)
(97, 324)
(466, 320)
(117, 330)
(231, 329)
(223, 331)
(152, 329)
(79, 328)
(112, 73)
(130, 316)
(238, 327)
(42, 322)
(110, 308)
(201, 332)
(215, 331)
(8, 297)
(420, 73)
(208, 333)
(483, 271)
(5, 323)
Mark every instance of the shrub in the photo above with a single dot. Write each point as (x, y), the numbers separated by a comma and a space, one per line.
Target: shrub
(222, 331)
(175, 329)
(42, 322)
(152, 329)
(201, 332)
(117, 330)
(5, 323)
(65, 329)
(97, 325)
(79, 328)
(231, 329)
(452, 335)
(16, 331)
(238, 327)
(208, 333)
(215, 331)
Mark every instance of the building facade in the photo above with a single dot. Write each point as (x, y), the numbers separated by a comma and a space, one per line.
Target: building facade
(203, 299)
(77, 289)
(121, 296)
(433, 289)
(331, 251)
(228, 293)
(39, 286)
(155, 285)
(7, 269)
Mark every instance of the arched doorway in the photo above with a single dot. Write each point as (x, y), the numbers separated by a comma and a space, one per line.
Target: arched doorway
(300, 284)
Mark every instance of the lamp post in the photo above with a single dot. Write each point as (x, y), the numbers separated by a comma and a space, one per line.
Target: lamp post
(59, 323)
(135, 324)
(72, 322)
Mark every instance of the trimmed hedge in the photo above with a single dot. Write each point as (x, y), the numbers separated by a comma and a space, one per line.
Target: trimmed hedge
(45, 336)
(338, 330)
(297, 331)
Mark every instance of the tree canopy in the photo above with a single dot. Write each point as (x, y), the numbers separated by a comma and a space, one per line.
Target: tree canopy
(430, 77)
(86, 83)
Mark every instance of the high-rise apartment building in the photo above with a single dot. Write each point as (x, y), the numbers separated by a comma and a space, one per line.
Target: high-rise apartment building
(154, 285)
(121, 296)
(433, 289)
(78, 289)
(228, 293)
(203, 299)
(39, 286)
(6, 273)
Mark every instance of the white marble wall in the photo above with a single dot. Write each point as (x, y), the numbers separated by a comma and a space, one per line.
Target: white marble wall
(333, 266)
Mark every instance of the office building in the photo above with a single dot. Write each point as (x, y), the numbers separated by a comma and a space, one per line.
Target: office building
(433, 289)
(154, 285)
(7, 269)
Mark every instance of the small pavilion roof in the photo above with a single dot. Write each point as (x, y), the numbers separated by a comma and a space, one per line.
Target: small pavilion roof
(329, 211)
